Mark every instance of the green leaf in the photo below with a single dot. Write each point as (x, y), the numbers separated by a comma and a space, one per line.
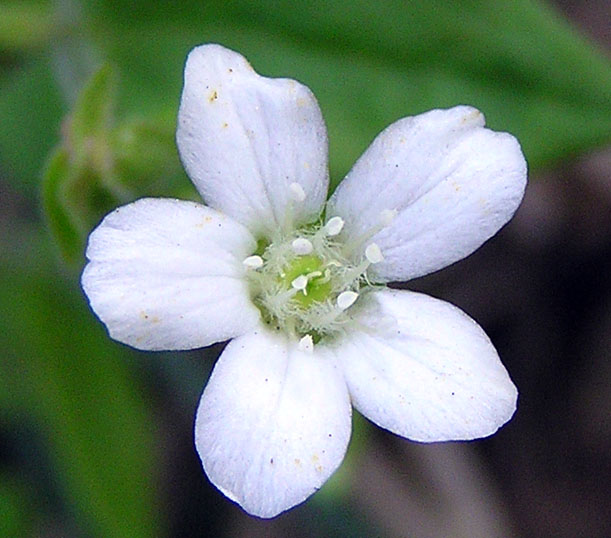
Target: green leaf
(372, 63)
(30, 114)
(16, 517)
(25, 25)
(81, 392)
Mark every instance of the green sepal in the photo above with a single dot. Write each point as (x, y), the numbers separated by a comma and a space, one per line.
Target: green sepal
(145, 156)
(78, 184)
(91, 118)
(66, 232)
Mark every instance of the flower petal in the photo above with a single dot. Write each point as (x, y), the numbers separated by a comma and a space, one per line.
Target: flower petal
(273, 423)
(452, 182)
(168, 274)
(425, 370)
(245, 139)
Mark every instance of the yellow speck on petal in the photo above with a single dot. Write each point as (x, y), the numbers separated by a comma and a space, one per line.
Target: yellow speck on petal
(207, 220)
(483, 203)
(213, 96)
(152, 319)
(472, 116)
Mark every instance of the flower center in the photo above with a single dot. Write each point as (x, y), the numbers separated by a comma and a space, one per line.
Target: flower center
(306, 270)
(307, 284)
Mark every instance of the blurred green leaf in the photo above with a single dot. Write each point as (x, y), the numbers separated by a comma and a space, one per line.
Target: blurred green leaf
(81, 392)
(372, 63)
(30, 115)
(25, 25)
(15, 518)
(100, 165)
(518, 62)
(369, 64)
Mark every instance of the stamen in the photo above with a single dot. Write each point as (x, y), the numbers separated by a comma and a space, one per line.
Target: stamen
(373, 253)
(253, 262)
(346, 299)
(302, 246)
(297, 192)
(387, 216)
(300, 283)
(334, 226)
(306, 343)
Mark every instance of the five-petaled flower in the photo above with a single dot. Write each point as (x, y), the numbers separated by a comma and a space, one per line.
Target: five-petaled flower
(299, 284)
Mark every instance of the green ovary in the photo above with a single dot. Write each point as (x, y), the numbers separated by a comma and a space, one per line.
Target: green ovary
(318, 288)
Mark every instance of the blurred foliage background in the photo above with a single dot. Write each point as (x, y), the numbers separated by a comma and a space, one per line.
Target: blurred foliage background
(96, 439)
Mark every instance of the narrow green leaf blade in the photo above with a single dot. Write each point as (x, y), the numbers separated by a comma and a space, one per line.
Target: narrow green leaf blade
(82, 394)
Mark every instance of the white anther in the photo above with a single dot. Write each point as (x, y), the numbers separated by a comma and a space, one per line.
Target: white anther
(306, 344)
(334, 226)
(300, 283)
(387, 216)
(253, 262)
(297, 192)
(373, 253)
(346, 299)
(302, 246)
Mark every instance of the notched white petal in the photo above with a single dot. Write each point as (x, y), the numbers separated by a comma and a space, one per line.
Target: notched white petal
(255, 147)
(425, 370)
(167, 274)
(452, 182)
(273, 423)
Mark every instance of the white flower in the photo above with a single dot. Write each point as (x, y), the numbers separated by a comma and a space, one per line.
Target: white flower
(299, 285)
